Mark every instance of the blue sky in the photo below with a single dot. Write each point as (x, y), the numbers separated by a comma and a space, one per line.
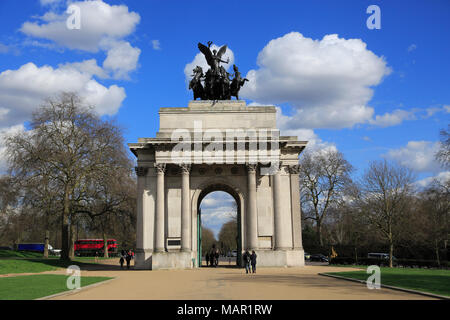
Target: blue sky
(371, 94)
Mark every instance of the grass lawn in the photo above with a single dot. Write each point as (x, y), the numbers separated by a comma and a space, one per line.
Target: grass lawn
(19, 254)
(427, 280)
(37, 265)
(38, 286)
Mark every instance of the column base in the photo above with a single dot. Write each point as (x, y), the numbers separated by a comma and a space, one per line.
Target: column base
(172, 260)
(143, 259)
(280, 258)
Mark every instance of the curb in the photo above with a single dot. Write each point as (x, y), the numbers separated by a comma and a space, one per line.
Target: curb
(75, 291)
(389, 287)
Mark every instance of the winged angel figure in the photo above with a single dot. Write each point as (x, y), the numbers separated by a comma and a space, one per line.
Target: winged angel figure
(217, 82)
(213, 58)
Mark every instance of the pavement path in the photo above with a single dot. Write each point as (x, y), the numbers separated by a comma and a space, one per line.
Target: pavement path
(229, 284)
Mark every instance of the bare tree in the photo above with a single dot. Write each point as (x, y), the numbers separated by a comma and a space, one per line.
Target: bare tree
(72, 143)
(436, 210)
(228, 235)
(208, 239)
(323, 179)
(385, 190)
(443, 155)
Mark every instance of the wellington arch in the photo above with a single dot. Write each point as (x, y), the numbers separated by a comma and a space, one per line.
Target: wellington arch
(217, 146)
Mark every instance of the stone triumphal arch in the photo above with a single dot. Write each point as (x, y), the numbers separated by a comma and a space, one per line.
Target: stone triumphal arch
(217, 146)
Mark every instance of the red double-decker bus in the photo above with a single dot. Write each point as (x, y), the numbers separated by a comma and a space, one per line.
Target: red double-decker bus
(88, 247)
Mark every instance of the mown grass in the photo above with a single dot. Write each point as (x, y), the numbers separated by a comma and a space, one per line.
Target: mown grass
(435, 281)
(38, 286)
(19, 254)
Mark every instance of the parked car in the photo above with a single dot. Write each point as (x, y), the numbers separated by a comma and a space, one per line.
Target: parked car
(318, 257)
(379, 256)
(234, 253)
(307, 256)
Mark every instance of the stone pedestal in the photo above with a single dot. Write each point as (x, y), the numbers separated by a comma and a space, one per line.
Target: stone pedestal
(280, 258)
(172, 260)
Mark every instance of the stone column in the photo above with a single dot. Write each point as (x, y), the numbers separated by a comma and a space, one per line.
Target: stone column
(281, 239)
(159, 223)
(296, 209)
(185, 208)
(252, 223)
(141, 172)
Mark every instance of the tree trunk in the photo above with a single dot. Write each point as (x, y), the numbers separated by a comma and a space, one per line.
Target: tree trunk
(436, 246)
(65, 227)
(319, 232)
(72, 241)
(391, 253)
(47, 234)
(105, 245)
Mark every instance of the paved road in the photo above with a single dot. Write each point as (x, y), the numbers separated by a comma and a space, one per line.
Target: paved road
(229, 283)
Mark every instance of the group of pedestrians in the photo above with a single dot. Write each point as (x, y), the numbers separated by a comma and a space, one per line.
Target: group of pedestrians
(250, 260)
(212, 257)
(126, 256)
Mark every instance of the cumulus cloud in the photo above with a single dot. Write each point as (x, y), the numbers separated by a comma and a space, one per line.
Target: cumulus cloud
(3, 133)
(199, 60)
(99, 21)
(103, 27)
(442, 177)
(303, 134)
(121, 58)
(394, 118)
(417, 155)
(22, 90)
(328, 82)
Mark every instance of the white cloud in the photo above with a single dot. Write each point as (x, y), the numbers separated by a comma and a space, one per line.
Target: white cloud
(442, 177)
(90, 67)
(417, 155)
(121, 58)
(22, 90)
(99, 21)
(50, 2)
(328, 82)
(412, 47)
(156, 45)
(103, 27)
(3, 133)
(394, 118)
(303, 134)
(199, 60)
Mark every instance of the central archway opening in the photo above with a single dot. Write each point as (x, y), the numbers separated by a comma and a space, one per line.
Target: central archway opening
(219, 227)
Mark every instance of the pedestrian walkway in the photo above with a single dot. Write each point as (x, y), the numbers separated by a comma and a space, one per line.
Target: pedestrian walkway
(230, 284)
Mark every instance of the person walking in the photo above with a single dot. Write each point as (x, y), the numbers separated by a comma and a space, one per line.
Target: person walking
(246, 257)
(207, 258)
(211, 258)
(217, 255)
(122, 260)
(253, 261)
(128, 258)
(96, 257)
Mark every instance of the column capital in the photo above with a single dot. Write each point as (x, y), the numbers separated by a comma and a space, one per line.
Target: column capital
(160, 167)
(251, 167)
(185, 168)
(294, 169)
(141, 171)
